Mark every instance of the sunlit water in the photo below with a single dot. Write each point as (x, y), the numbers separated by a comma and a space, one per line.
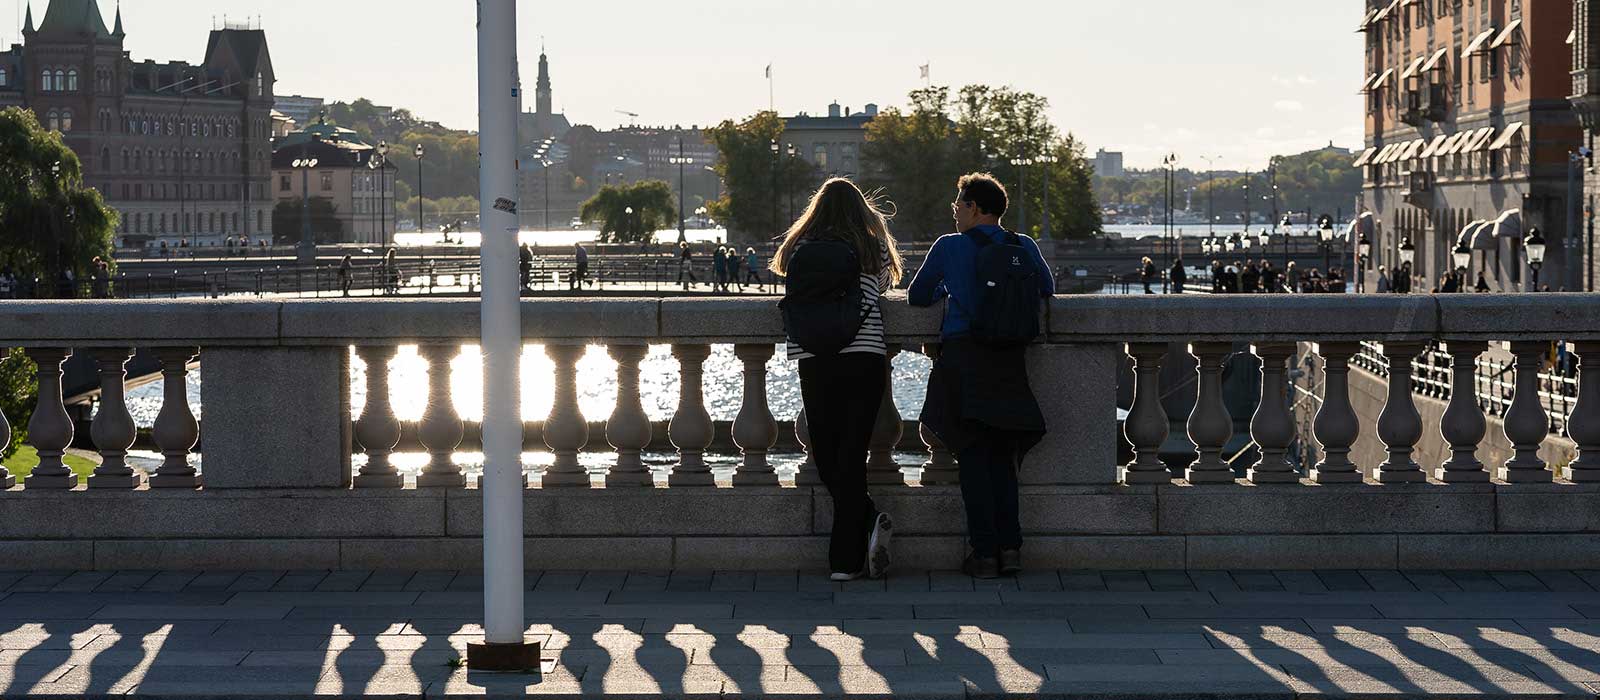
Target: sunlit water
(559, 237)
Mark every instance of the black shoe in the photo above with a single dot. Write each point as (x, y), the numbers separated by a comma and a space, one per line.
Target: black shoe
(1010, 562)
(981, 567)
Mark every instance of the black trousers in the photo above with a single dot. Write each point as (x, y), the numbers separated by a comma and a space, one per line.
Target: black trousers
(989, 492)
(842, 394)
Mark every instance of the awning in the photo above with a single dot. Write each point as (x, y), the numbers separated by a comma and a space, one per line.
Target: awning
(1412, 149)
(1480, 138)
(1452, 144)
(1366, 87)
(1366, 22)
(1572, 37)
(1478, 235)
(1412, 69)
(1363, 225)
(1511, 132)
(1383, 155)
(1507, 36)
(1382, 79)
(1508, 226)
(1477, 44)
(1434, 60)
(1433, 148)
(1384, 13)
(1364, 158)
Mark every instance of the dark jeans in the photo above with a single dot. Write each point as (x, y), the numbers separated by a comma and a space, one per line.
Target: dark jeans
(842, 394)
(989, 490)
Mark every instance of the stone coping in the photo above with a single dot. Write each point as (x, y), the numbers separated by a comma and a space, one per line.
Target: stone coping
(1070, 319)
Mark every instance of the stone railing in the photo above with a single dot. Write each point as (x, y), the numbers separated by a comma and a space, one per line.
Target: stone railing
(279, 487)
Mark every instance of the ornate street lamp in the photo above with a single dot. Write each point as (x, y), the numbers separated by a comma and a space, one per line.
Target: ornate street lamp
(307, 249)
(1408, 252)
(1536, 247)
(419, 154)
(679, 160)
(1463, 254)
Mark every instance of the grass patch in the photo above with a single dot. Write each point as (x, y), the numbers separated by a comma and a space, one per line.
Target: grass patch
(22, 463)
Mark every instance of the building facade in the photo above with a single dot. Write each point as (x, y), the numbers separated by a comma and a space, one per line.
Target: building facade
(299, 108)
(833, 143)
(1108, 163)
(1468, 124)
(1585, 98)
(180, 151)
(350, 174)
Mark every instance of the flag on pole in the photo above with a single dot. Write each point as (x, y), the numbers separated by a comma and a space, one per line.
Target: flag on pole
(926, 69)
(769, 71)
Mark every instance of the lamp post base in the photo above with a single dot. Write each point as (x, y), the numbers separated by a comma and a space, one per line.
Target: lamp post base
(522, 657)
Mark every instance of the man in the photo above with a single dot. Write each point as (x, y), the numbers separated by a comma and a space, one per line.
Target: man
(1179, 276)
(582, 273)
(525, 265)
(979, 401)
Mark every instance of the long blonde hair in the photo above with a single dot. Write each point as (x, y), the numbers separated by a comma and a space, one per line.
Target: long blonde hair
(840, 210)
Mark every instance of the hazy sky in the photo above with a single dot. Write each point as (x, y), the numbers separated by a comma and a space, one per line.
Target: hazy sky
(1235, 79)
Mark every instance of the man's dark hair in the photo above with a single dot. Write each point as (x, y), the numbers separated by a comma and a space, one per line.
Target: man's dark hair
(985, 191)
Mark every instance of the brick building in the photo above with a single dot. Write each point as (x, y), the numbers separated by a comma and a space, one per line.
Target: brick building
(351, 175)
(181, 151)
(1467, 121)
(1586, 102)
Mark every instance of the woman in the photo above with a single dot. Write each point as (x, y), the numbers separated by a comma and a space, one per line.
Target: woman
(752, 267)
(1147, 274)
(843, 390)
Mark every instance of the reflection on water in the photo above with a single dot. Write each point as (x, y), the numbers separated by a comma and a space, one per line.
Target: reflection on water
(597, 385)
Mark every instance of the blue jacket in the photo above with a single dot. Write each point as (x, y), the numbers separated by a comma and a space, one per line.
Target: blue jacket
(951, 271)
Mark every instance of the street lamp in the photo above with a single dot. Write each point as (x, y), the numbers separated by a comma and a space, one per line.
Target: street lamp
(681, 160)
(307, 249)
(1021, 164)
(773, 147)
(1047, 161)
(792, 154)
(1535, 246)
(419, 154)
(1408, 252)
(1463, 256)
(1170, 163)
(1325, 234)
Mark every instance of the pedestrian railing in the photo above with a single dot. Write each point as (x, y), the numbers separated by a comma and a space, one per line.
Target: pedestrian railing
(1492, 377)
(278, 419)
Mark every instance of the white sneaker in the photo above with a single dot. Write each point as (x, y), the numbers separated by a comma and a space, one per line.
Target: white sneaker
(878, 557)
(842, 577)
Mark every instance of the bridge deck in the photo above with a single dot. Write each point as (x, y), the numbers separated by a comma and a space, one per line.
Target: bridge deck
(919, 634)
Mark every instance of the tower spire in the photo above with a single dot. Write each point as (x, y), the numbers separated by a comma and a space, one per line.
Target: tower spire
(118, 31)
(542, 90)
(27, 27)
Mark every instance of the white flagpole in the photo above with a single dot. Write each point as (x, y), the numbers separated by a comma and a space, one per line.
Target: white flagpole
(505, 647)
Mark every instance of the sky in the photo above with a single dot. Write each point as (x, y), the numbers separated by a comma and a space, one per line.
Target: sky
(1218, 82)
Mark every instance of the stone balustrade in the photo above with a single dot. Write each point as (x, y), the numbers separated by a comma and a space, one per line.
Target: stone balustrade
(279, 488)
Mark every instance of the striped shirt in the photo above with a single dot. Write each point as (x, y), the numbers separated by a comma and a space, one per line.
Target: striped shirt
(869, 339)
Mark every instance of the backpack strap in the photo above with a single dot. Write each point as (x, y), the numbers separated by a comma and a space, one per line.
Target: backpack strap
(977, 239)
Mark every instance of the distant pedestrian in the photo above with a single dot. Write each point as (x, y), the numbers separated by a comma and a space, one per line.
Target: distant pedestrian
(1216, 277)
(686, 265)
(719, 269)
(1383, 284)
(1179, 276)
(525, 265)
(1291, 277)
(1483, 285)
(99, 278)
(1148, 273)
(752, 269)
(1250, 278)
(346, 270)
(580, 273)
(391, 273)
(734, 261)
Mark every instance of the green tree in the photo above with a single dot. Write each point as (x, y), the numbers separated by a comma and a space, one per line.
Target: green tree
(325, 225)
(19, 388)
(50, 222)
(755, 180)
(1009, 124)
(1074, 211)
(631, 213)
(916, 156)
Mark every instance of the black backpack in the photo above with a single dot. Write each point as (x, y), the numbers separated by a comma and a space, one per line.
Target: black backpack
(1007, 310)
(822, 309)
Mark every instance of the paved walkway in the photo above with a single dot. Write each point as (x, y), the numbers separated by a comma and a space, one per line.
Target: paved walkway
(274, 634)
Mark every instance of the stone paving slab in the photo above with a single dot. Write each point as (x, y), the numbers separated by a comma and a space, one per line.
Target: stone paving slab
(651, 634)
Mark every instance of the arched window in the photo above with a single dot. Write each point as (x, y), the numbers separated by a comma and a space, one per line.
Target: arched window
(72, 80)
(161, 162)
(61, 80)
(53, 121)
(2, 77)
(138, 161)
(261, 85)
(105, 120)
(105, 159)
(66, 120)
(124, 160)
(47, 80)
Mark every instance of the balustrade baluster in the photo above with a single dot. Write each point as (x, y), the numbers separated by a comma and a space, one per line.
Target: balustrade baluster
(566, 432)
(1147, 425)
(7, 480)
(1463, 425)
(378, 429)
(628, 430)
(1400, 425)
(754, 430)
(50, 430)
(1210, 425)
(690, 428)
(886, 432)
(176, 430)
(1272, 427)
(806, 473)
(441, 431)
(113, 430)
(940, 468)
(1583, 426)
(1526, 423)
(1336, 426)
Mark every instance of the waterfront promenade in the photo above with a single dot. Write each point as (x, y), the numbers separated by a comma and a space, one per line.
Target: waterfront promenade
(1049, 634)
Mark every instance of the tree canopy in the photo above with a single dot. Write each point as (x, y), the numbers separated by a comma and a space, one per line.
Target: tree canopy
(325, 225)
(50, 222)
(756, 182)
(631, 213)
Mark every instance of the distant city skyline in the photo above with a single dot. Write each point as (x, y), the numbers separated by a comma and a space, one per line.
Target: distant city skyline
(1238, 82)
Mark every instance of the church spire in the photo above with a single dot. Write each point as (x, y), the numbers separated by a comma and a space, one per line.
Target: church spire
(542, 91)
(118, 31)
(27, 28)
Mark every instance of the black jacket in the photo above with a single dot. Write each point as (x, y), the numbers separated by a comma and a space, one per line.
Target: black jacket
(976, 388)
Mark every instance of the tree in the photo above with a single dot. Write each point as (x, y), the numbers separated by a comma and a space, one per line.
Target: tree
(50, 223)
(1011, 124)
(631, 213)
(916, 157)
(19, 389)
(755, 179)
(325, 224)
(1074, 212)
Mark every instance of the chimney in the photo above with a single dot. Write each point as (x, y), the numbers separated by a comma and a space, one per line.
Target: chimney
(847, 111)
(833, 110)
(872, 110)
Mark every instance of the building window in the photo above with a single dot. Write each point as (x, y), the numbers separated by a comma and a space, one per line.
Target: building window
(47, 80)
(327, 182)
(66, 120)
(261, 86)
(72, 80)
(820, 157)
(105, 159)
(2, 77)
(53, 121)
